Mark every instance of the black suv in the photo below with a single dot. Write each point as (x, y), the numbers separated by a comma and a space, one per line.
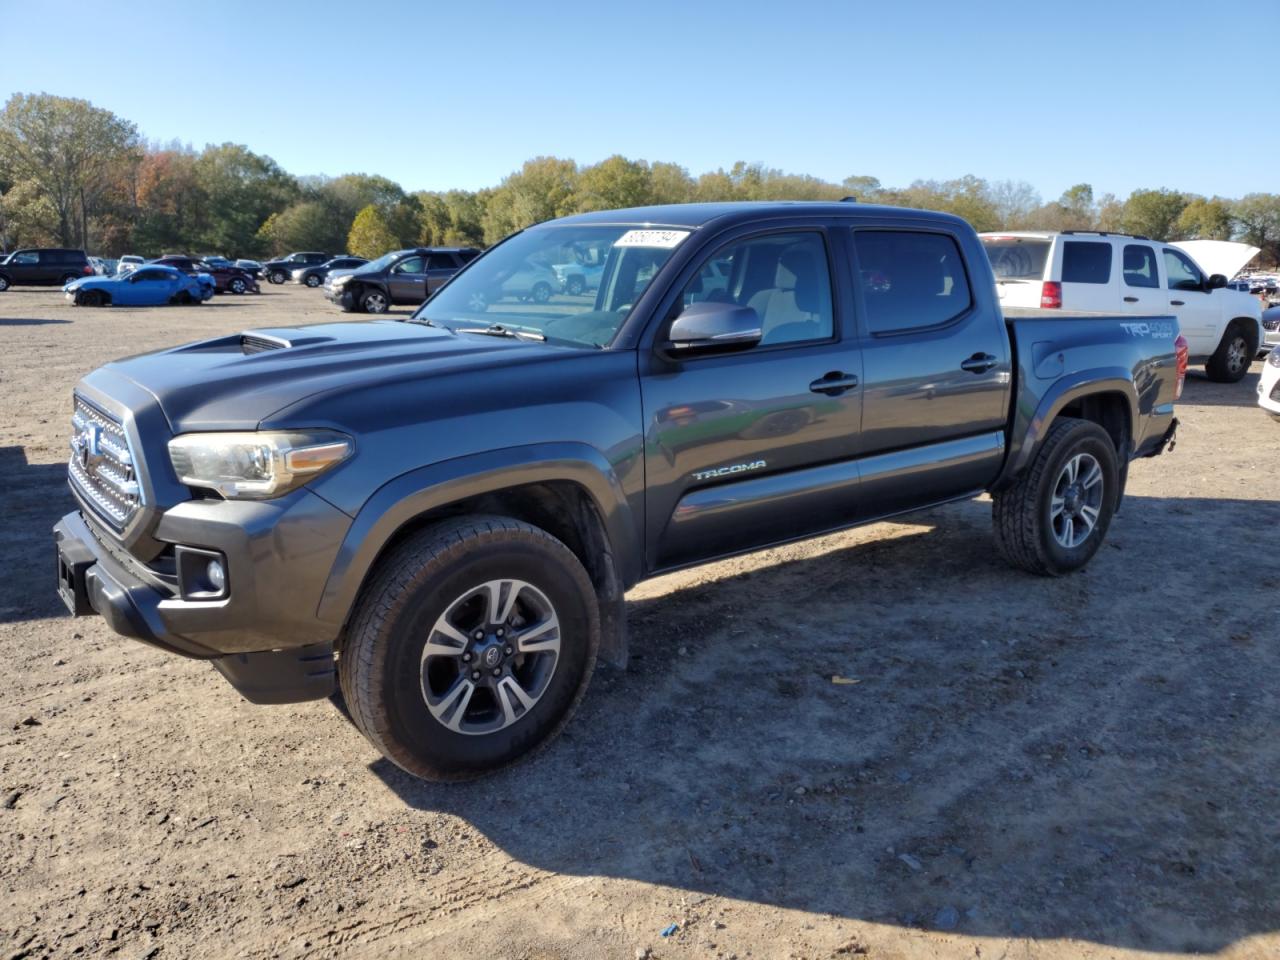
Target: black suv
(44, 267)
(279, 271)
(313, 276)
(403, 276)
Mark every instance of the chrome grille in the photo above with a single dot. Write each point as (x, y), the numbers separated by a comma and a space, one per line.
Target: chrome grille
(1271, 324)
(102, 467)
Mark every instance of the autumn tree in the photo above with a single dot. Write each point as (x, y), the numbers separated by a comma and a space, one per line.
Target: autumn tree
(542, 189)
(370, 235)
(69, 150)
(1258, 218)
(1203, 219)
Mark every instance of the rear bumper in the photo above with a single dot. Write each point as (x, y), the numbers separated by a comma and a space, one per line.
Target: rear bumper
(92, 580)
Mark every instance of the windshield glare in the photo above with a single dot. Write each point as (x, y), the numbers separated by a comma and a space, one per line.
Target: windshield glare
(573, 284)
(381, 263)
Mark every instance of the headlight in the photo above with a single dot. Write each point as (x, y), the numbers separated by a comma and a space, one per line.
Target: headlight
(256, 466)
(338, 281)
(1273, 357)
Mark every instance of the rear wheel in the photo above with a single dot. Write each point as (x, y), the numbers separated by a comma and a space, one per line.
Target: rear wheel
(374, 301)
(470, 647)
(1052, 520)
(541, 292)
(277, 276)
(1230, 362)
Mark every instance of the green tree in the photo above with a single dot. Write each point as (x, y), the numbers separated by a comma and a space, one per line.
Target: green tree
(1205, 219)
(370, 236)
(866, 189)
(241, 189)
(540, 190)
(612, 183)
(1258, 218)
(70, 150)
(309, 225)
(1154, 213)
(453, 218)
(670, 183)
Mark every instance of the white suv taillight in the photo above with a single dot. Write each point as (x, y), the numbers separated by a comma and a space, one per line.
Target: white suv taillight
(1051, 295)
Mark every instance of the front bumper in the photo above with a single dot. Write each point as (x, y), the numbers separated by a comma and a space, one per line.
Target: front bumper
(339, 295)
(1269, 389)
(264, 635)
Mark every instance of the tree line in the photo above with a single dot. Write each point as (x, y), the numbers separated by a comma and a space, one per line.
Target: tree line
(76, 175)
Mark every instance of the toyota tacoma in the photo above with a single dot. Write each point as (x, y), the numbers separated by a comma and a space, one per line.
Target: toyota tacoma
(440, 514)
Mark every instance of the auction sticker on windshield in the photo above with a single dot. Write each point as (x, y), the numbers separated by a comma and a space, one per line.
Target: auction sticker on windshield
(661, 239)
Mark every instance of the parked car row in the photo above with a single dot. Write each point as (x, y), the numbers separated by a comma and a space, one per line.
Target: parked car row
(400, 277)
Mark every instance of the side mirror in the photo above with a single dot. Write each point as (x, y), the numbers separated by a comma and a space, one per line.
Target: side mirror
(712, 327)
(1216, 282)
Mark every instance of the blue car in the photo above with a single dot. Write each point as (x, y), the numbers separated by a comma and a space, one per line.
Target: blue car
(147, 286)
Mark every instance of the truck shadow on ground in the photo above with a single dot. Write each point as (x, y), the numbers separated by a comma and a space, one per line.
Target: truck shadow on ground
(27, 322)
(1014, 756)
(32, 498)
(1200, 390)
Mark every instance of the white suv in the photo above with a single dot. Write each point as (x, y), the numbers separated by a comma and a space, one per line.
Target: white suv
(1117, 274)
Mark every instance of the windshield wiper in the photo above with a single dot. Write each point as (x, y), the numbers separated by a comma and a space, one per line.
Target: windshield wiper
(426, 322)
(498, 330)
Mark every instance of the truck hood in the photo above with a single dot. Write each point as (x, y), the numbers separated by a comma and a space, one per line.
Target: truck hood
(237, 382)
(1218, 256)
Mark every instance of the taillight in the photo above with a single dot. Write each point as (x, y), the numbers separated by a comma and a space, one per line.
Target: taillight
(1051, 295)
(88, 270)
(1183, 353)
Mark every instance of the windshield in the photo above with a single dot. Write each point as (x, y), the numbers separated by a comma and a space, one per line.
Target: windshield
(384, 261)
(568, 283)
(1017, 258)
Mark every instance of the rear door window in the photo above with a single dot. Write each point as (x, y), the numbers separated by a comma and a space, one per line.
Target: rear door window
(1086, 262)
(1140, 266)
(910, 280)
(441, 261)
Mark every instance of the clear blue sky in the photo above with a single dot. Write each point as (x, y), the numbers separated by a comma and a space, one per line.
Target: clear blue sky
(1119, 94)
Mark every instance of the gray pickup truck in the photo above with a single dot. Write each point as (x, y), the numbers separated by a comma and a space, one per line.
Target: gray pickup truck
(441, 513)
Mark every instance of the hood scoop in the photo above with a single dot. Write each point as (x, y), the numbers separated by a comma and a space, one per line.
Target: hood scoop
(261, 342)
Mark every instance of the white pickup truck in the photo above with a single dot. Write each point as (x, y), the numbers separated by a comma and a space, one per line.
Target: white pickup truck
(1116, 273)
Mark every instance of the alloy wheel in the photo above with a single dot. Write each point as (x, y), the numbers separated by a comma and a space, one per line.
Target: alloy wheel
(490, 657)
(1077, 501)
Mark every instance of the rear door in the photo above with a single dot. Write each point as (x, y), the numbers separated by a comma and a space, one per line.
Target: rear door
(407, 280)
(937, 368)
(440, 267)
(1140, 287)
(758, 446)
(1089, 275)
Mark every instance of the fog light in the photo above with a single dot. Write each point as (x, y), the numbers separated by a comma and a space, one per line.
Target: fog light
(217, 576)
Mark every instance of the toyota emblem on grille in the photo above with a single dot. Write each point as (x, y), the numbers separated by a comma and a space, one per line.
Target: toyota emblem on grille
(88, 445)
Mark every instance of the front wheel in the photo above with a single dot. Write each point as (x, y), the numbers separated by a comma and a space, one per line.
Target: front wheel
(4, 283)
(574, 286)
(237, 285)
(1230, 362)
(375, 301)
(470, 647)
(1054, 517)
(541, 292)
(312, 280)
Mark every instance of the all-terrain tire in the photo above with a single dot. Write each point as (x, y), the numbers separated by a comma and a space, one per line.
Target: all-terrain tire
(1024, 528)
(381, 661)
(1230, 362)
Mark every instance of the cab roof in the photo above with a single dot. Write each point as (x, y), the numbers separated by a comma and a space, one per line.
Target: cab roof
(695, 215)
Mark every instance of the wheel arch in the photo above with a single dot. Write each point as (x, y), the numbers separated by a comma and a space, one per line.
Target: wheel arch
(1253, 324)
(571, 493)
(1107, 398)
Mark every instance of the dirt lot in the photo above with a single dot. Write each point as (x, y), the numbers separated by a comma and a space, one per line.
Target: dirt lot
(1086, 767)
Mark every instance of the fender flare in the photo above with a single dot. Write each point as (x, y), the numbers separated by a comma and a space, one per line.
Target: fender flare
(1028, 430)
(410, 495)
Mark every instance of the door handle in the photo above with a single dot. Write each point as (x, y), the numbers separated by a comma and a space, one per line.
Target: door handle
(1176, 303)
(1130, 299)
(979, 363)
(834, 383)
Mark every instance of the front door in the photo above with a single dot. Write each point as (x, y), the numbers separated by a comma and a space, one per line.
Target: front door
(757, 446)
(1191, 303)
(407, 281)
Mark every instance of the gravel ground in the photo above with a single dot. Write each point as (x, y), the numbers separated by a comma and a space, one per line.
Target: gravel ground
(1084, 767)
